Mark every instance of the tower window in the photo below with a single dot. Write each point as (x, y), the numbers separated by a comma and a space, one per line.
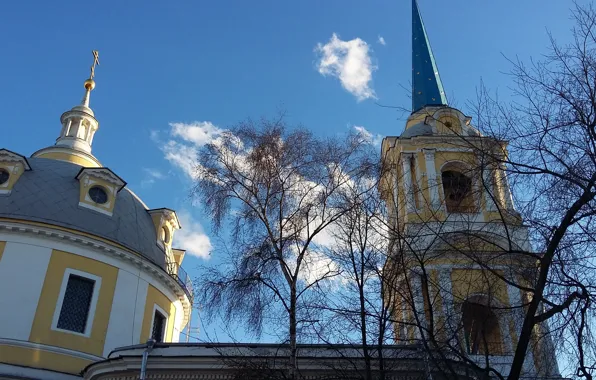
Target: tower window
(4, 176)
(98, 195)
(165, 235)
(481, 329)
(76, 303)
(457, 188)
(159, 326)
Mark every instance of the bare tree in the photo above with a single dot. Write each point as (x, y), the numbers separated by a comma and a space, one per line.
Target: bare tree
(358, 310)
(300, 215)
(542, 146)
(277, 189)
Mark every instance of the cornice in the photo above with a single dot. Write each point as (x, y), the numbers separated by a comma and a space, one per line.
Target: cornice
(102, 173)
(10, 156)
(48, 348)
(148, 267)
(66, 150)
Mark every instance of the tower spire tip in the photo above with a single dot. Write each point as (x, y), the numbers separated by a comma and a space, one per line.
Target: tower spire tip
(427, 88)
(90, 83)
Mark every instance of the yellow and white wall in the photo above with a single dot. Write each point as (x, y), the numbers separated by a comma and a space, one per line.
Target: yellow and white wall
(35, 260)
(415, 196)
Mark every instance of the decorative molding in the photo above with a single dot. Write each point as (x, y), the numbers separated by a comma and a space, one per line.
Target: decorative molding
(168, 215)
(12, 157)
(68, 151)
(165, 324)
(48, 348)
(104, 174)
(91, 207)
(144, 264)
(19, 372)
(92, 306)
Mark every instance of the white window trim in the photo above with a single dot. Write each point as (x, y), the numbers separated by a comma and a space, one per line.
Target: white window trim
(94, 208)
(165, 324)
(92, 306)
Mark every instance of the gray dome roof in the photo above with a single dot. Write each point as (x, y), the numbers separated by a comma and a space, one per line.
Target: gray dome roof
(419, 129)
(49, 193)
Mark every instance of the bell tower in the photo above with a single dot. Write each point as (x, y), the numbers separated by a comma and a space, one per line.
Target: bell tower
(454, 265)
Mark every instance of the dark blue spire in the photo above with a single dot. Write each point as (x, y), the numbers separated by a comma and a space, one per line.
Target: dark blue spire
(427, 89)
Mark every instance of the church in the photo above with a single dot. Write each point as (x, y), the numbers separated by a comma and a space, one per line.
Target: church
(92, 288)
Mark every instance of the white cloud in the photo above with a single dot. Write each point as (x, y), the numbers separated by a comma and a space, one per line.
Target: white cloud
(154, 173)
(350, 62)
(192, 237)
(318, 266)
(185, 140)
(151, 175)
(182, 156)
(199, 132)
(375, 140)
(381, 40)
(154, 135)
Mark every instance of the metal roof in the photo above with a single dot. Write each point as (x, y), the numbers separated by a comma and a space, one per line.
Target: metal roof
(427, 88)
(419, 129)
(49, 193)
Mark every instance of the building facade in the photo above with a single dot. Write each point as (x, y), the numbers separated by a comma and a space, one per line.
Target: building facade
(460, 257)
(85, 265)
(89, 279)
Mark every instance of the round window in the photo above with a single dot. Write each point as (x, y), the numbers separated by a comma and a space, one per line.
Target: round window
(98, 195)
(165, 234)
(4, 176)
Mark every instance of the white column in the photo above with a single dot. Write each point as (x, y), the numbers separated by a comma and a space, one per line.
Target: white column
(396, 193)
(416, 286)
(490, 195)
(407, 181)
(68, 128)
(452, 316)
(122, 317)
(91, 135)
(141, 300)
(81, 130)
(505, 188)
(431, 177)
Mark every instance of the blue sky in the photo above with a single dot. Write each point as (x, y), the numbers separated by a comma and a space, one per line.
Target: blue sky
(173, 74)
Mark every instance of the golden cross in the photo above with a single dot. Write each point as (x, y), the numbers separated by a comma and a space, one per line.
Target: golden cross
(95, 62)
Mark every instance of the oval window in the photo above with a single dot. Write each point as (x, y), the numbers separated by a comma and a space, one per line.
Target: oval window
(4, 176)
(98, 195)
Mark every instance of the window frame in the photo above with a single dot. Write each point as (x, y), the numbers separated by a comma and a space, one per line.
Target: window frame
(7, 181)
(161, 311)
(462, 168)
(92, 306)
(105, 192)
(472, 336)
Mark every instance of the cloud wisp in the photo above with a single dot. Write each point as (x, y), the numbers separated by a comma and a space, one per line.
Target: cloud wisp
(350, 62)
(151, 176)
(183, 144)
(192, 237)
(381, 40)
(374, 139)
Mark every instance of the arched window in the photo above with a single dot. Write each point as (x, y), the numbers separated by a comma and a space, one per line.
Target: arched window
(482, 332)
(457, 188)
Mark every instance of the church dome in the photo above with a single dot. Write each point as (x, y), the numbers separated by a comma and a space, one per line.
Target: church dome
(50, 193)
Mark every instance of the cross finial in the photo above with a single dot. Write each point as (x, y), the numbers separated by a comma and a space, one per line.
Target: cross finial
(95, 62)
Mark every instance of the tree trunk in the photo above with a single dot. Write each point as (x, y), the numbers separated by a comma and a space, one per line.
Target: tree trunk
(293, 323)
(363, 331)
